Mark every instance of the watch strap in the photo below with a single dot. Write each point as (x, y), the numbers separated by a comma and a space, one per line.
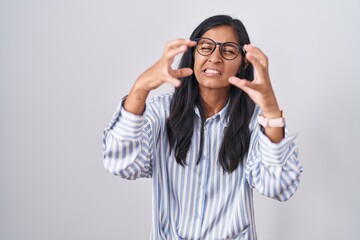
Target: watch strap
(271, 122)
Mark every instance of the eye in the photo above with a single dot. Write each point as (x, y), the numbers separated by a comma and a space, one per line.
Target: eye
(230, 49)
(206, 47)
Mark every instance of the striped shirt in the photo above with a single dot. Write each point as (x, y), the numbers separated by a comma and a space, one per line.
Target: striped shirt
(199, 201)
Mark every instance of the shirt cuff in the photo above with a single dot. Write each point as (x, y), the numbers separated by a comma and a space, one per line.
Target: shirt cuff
(126, 125)
(276, 154)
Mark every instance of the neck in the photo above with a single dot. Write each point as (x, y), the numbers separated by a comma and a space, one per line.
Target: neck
(214, 100)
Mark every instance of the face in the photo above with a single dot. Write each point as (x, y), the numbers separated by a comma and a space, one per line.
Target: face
(213, 71)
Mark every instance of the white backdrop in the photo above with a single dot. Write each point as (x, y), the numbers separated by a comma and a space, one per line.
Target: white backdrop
(64, 65)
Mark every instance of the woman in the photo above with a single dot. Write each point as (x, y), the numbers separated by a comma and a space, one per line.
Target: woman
(205, 146)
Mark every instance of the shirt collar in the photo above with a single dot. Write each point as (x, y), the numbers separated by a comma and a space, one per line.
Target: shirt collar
(222, 114)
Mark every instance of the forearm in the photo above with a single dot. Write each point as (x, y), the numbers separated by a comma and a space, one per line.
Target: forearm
(273, 168)
(136, 100)
(124, 153)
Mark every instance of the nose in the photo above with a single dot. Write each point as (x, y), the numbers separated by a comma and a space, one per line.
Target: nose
(215, 56)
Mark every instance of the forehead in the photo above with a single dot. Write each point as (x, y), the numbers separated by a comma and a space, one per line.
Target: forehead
(221, 33)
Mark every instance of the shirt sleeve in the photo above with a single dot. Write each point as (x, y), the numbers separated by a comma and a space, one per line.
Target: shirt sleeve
(273, 168)
(127, 145)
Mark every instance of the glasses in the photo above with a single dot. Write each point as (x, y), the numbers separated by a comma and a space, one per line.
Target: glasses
(228, 50)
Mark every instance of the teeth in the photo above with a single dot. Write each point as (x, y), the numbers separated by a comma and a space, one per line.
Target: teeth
(212, 71)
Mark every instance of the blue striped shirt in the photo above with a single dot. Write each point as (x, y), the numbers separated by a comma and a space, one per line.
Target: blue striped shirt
(199, 201)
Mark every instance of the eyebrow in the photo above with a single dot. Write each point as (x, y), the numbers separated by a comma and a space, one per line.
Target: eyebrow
(236, 42)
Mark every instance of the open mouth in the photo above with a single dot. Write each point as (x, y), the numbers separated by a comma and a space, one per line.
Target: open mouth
(209, 71)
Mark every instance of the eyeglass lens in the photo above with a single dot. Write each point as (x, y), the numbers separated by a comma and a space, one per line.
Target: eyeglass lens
(228, 50)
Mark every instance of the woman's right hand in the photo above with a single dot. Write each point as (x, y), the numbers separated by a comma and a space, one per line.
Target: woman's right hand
(162, 72)
(159, 73)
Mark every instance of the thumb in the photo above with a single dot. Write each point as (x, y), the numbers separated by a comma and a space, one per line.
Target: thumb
(182, 72)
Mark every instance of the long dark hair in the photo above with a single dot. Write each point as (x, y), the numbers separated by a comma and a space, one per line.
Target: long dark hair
(236, 138)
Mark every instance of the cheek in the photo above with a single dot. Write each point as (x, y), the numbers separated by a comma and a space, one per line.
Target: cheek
(233, 69)
(237, 66)
(198, 62)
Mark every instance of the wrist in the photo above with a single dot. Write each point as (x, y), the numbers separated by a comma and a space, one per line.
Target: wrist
(135, 101)
(271, 122)
(269, 106)
(139, 90)
(271, 109)
(271, 112)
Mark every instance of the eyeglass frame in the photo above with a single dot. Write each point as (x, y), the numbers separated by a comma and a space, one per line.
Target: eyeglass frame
(221, 44)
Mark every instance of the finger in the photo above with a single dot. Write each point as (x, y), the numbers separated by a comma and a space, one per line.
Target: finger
(190, 43)
(260, 69)
(174, 43)
(178, 49)
(173, 81)
(170, 54)
(177, 46)
(243, 84)
(182, 72)
(179, 42)
(257, 53)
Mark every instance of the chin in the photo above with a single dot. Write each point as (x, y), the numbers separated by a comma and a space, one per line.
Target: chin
(212, 84)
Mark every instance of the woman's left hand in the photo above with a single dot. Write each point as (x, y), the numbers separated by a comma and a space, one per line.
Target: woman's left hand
(260, 89)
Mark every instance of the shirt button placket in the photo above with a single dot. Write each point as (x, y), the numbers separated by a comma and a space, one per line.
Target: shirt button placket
(199, 212)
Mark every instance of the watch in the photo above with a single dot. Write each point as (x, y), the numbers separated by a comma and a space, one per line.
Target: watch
(271, 122)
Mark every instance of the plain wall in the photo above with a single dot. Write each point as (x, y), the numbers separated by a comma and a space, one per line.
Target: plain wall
(65, 65)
